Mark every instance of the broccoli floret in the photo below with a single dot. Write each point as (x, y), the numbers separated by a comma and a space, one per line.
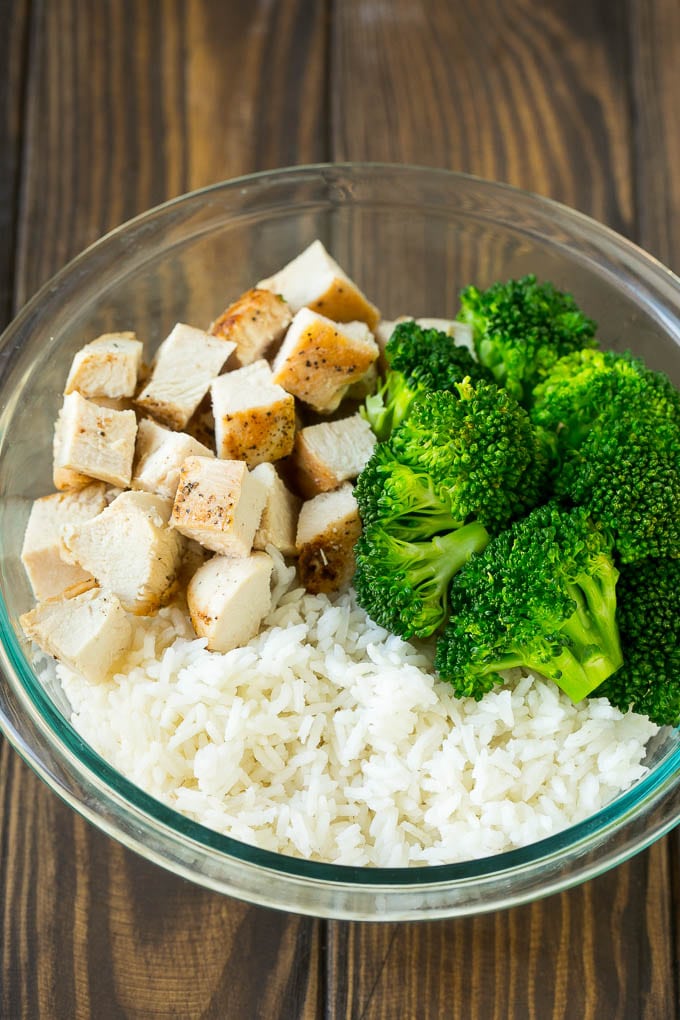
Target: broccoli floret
(455, 470)
(521, 328)
(542, 595)
(626, 473)
(420, 360)
(402, 500)
(404, 584)
(649, 622)
(587, 385)
(484, 456)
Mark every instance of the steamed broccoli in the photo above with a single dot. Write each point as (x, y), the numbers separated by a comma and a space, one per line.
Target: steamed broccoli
(420, 360)
(521, 328)
(403, 584)
(626, 473)
(649, 622)
(588, 387)
(542, 595)
(453, 472)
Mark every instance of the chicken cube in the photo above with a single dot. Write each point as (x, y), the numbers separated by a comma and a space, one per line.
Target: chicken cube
(228, 599)
(218, 504)
(254, 323)
(91, 441)
(185, 364)
(319, 359)
(328, 529)
(107, 367)
(316, 281)
(130, 549)
(159, 456)
(254, 418)
(42, 552)
(279, 516)
(330, 453)
(89, 633)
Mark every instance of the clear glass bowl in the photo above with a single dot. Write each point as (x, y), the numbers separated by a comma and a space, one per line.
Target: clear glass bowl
(411, 237)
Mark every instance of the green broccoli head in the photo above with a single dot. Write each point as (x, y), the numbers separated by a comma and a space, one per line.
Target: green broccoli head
(542, 595)
(588, 384)
(403, 585)
(521, 328)
(420, 360)
(484, 457)
(401, 499)
(626, 474)
(648, 615)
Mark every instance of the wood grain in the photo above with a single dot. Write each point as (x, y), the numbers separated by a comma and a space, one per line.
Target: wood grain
(534, 94)
(129, 104)
(14, 61)
(123, 104)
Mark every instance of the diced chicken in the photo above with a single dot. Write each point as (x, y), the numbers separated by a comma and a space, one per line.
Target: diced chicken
(193, 557)
(159, 456)
(130, 549)
(89, 633)
(328, 529)
(218, 504)
(315, 280)
(254, 418)
(254, 323)
(201, 425)
(360, 389)
(278, 523)
(91, 441)
(228, 599)
(42, 552)
(333, 452)
(106, 367)
(319, 359)
(185, 364)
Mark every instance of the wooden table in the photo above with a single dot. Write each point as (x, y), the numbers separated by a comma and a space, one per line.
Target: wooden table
(111, 106)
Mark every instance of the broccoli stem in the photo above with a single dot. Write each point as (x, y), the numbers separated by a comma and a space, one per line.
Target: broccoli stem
(577, 671)
(436, 562)
(388, 407)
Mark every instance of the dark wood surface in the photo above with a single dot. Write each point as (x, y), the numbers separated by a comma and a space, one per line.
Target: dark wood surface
(110, 106)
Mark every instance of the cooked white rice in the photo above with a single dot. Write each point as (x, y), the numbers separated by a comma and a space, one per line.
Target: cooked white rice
(326, 737)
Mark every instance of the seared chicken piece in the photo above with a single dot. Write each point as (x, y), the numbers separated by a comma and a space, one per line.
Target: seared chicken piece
(42, 553)
(279, 516)
(328, 454)
(88, 633)
(185, 364)
(218, 504)
(228, 599)
(159, 456)
(130, 549)
(316, 281)
(201, 425)
(368, 383)
(319, 359)
(328, 529)
(254, 323)
(106, 367)
(92, 442)
(254, 418)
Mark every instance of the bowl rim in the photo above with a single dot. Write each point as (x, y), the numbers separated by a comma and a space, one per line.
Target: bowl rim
(64, 739)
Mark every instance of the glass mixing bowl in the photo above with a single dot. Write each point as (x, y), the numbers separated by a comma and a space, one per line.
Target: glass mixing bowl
(411, 238)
